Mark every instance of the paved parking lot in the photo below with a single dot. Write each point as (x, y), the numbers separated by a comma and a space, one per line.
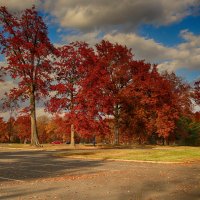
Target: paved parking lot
(39, 175)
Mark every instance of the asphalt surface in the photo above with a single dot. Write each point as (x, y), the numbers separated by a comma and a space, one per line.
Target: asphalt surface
(39, 175)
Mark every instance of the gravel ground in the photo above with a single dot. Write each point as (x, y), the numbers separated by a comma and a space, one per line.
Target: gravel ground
(39, 175)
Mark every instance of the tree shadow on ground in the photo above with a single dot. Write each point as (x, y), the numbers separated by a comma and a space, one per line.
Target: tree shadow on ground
(21, 193)
(30, 165)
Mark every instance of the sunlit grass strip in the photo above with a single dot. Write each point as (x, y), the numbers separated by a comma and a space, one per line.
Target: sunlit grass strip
(139, 153)
(163, 155)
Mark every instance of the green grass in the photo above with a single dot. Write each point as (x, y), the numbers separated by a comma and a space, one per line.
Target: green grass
(161, 154)
(136, 152)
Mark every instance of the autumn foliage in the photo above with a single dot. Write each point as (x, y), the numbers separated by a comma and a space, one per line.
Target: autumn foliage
(100, 91)
(27, 48)
(3, 130)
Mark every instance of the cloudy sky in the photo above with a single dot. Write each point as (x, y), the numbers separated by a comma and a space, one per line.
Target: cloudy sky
(164, 32)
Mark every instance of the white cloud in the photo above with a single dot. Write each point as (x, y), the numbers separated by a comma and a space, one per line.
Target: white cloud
(104, 14)
(184, 55)
(91, 37)
(16, 5)
(169, 66)
(142, 48)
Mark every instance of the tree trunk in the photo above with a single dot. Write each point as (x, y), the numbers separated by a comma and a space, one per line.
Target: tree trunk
(116, 131)
(25, 141)
(34, 132)
(10, 128)
(116, 125)
(72, 143)
(163, 141)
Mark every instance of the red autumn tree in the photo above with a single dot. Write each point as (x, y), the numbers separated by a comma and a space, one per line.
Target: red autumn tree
(177, 105)
(152, 103)
(7, 130)
(114, 69)
(3, 130)
(58, 128)
(172, 100)
(196, 116)
(23, 128)
(27, 49)
(138, 100)
(181, 91)
(42, 122)
(75, 61)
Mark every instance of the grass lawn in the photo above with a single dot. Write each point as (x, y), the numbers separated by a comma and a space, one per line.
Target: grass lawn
(28, 146)
(138, 153)
(44, 146)
(159, 154)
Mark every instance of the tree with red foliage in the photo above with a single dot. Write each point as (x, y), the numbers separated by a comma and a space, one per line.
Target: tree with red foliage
(42, 122)
(181, 93)
(153, 103)
(138, 100)
(196, 116)
(113, 73)
(58, 128)
(176, 104)
(27, 48)
(75, 61)
(3, 130)
(23, 128)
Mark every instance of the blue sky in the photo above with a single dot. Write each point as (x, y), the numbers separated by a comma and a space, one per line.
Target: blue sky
(169, 35)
